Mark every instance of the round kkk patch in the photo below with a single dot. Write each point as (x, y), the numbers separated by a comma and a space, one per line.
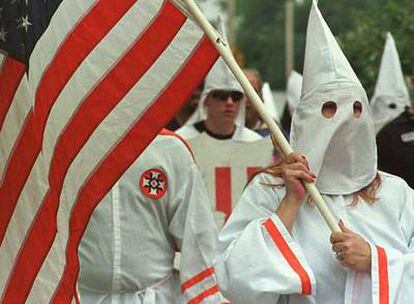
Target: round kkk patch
(153, 183)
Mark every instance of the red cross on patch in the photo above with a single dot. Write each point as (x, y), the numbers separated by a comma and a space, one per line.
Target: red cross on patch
(153, 183)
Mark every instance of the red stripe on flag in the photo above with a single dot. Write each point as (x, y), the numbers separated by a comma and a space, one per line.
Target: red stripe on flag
(384, 292)
(12, 73)
(79, 43)
(206, 293)
(223, 190)
(112, 89)
(289, 256)
(126, 152)
(197, 279)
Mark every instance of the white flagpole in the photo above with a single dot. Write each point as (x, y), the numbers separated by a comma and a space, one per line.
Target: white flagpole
(283, 144)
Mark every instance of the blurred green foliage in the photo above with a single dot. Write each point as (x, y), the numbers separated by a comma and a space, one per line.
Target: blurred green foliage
(365, 42)
(359, 25)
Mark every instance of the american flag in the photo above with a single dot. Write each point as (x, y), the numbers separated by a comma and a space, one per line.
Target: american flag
(85, 85)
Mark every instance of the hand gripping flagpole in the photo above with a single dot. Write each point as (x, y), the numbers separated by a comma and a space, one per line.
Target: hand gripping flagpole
(226, 54)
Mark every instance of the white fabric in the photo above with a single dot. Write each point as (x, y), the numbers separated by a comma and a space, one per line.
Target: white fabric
(269, 102)
(219, 78)
(342, 149)
(294, 87)
(127, 251)
(251, 269)
(241, 134)
(391, 87)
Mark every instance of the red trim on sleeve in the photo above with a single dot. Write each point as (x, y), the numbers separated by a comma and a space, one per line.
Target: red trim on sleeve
(289, 256)
(166, 132)
(206, 293)
(197, 279)
(383, 276)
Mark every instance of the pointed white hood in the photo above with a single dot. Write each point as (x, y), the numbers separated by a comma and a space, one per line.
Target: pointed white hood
(341, 149)
(219, 78)
(391, 94)
(269, 102)
(294, 87)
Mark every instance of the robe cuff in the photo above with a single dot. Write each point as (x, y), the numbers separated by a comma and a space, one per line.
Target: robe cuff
(202, 288)
(292, 253)
(387, 267)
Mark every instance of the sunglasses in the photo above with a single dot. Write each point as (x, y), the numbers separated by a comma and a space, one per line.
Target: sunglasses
(224, 95)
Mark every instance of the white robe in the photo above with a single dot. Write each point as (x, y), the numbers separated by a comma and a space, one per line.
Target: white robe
(260, 262)
(241, 134)
(128, 249)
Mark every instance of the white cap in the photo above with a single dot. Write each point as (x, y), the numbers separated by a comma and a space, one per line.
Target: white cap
(219, 78)
(391, 94)
(341, 149)
(294, 87)
(269, 102)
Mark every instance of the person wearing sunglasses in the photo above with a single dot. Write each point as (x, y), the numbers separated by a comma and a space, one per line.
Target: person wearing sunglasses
(221, 110)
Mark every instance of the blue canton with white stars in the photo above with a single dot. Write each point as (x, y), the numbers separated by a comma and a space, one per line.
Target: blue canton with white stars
(22, 23)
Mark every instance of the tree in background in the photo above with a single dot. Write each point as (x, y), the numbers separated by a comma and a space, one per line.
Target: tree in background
(364, 43)
(360, 26)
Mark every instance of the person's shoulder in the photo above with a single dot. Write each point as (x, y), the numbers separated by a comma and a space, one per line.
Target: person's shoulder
(172, 143)
(188, 132)
(249, 135)
(394, 124)
(397, 190)
(394, 181)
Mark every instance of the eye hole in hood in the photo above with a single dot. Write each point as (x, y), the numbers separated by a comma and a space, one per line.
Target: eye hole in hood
(329, 109)
(392, 106)
(357, 109)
